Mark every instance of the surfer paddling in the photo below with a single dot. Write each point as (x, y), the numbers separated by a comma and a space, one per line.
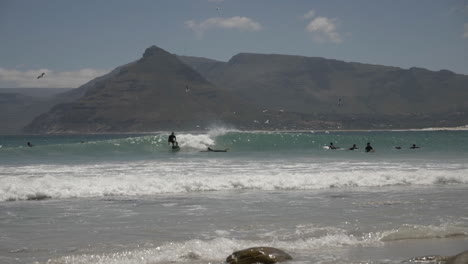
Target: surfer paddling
(369, 148)
(353, 147)
(215, 150)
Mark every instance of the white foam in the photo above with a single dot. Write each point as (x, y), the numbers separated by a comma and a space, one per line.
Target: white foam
(202, 251)
(216, 131)
(194, 141)
(194, 175)
(217, 249)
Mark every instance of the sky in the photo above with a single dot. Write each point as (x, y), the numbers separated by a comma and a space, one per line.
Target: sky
(76, 41)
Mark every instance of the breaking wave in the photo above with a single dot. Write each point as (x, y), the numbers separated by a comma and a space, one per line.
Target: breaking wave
(181, 175)
(70, 167)
(215, 250)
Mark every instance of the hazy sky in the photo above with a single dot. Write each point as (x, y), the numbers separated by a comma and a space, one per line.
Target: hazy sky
(75, 41)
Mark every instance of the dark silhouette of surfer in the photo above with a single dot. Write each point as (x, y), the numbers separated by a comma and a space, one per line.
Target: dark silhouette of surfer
(353, 147)
(369, 147)
(414, 146)
(40, 76)
(172, 139)
(216, 150)
(29, 144)
(331, 146)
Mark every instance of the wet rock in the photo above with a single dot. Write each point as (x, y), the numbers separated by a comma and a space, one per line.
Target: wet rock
(265, 255)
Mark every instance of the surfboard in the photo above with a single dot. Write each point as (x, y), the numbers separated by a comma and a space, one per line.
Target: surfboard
(219, 150)
(175, 148)
(215, 150)
(328, 147)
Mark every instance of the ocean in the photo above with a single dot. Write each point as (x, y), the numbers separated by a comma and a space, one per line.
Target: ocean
(129, 198)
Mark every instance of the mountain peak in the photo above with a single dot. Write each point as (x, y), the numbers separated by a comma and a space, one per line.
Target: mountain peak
(244, 57)
(154, 51)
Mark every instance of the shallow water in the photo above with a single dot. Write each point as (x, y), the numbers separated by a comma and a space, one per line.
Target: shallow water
(130, 199)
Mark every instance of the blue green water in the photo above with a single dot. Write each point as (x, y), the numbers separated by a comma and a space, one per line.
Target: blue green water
(129, 198)
(447, 145)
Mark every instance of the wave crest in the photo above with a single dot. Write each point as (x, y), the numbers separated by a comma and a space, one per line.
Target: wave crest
(407, 232)
(217, 249)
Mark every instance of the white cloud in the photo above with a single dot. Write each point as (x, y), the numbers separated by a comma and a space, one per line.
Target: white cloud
(309, 14)
(324, 29)
(239, 23)
(465, 32)
(24, 79)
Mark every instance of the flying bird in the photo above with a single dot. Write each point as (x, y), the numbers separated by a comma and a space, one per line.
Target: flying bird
(40, 76)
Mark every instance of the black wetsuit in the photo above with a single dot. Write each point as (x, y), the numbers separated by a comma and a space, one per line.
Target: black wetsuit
(368, 148)
(172, 139)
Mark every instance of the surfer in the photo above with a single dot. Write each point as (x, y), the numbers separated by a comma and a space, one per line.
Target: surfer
(208, 149)
(331, 146)
(172, 139)
(369, 148)
(397, 147)
(414, 146)
(353, 147)
(29, 144)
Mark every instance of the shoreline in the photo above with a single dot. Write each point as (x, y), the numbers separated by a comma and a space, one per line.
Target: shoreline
(428, 129)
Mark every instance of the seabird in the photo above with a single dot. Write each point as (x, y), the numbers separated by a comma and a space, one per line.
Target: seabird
(40, 76)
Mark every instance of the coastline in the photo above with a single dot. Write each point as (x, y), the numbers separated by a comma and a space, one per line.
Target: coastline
(429, 129)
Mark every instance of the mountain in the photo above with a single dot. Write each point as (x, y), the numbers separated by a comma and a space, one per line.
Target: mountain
(163, 91)
(19, 106)
(316, 85)
(354, 94)
(156, 92)
(15, 111)
(36, 92)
